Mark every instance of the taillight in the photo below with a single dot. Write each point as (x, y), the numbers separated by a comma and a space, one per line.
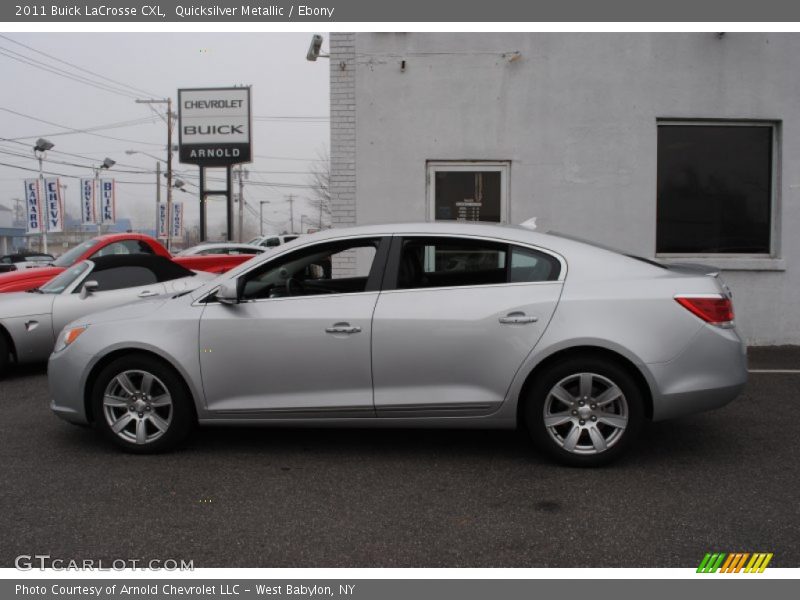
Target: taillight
(715, 310)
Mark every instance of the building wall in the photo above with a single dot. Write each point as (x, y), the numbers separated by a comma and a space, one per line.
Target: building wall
(576, 116)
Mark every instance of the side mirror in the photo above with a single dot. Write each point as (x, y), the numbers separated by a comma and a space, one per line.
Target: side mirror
(88, 288)
(228, 294)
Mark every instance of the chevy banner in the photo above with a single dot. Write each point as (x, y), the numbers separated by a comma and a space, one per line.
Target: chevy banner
(33, 207)
(53, 205)
(88, 201)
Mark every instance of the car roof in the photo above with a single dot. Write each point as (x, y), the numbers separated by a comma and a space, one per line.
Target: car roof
(511, 233)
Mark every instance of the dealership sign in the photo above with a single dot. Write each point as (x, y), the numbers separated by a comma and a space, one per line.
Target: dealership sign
(177, 220)
(214, 126)
(163, 220)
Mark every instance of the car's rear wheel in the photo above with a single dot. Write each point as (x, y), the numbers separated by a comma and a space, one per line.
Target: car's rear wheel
(585, 411)
(142, 405)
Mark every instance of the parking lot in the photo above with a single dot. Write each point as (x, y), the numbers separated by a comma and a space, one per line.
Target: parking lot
(727, 480)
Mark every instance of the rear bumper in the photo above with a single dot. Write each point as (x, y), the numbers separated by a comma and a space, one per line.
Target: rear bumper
(708, 374)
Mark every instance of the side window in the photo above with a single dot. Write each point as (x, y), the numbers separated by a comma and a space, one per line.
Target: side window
(124, 247)
(272, 242)
(447, 262)
(328, 268)
(122, 277)
(530, 265)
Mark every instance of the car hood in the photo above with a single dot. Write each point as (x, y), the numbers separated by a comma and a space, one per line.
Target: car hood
(22, 304)
(27, 278)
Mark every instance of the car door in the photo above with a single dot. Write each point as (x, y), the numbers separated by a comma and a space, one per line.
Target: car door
(456, 319)
(298, 342)
(116, 286)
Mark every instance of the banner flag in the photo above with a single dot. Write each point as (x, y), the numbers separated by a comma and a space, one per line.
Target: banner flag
(108, 207)
(33, 207)
(53, 205)
(88, 201)
(177, 220)
(162, 221)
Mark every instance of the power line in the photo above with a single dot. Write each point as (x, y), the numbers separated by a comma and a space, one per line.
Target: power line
(71, 129)
(61, 73)
(50, 56)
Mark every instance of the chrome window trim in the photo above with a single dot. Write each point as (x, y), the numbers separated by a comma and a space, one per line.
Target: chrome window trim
(272, 256)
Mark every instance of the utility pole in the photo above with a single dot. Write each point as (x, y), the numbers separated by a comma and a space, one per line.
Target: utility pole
(168, 102)
(290, 198)
(169, 174)
(158, 195)
(241, 174)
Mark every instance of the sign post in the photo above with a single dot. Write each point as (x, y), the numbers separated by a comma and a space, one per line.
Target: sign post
(214, 130)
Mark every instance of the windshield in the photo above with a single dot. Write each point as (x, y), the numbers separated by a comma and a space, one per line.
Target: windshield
(64, 280)
(70, 256)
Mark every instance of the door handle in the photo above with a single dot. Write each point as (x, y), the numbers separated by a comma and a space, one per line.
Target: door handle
(342, 328)
(517, 318)
(147, 294)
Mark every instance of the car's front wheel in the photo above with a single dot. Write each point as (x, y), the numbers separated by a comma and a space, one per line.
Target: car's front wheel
(141, 404)
(585, 411)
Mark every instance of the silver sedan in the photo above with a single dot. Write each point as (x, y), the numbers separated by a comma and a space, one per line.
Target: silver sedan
(30, 321)
(436, 324)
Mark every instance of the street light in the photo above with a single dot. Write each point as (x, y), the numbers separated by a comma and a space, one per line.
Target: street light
(106, 164)
(42, 146)
(158, 180)
(261, 216)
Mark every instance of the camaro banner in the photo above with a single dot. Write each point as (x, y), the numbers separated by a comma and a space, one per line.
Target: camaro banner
(33, 207)
(88, 201)
(53, 205)
(108, 209)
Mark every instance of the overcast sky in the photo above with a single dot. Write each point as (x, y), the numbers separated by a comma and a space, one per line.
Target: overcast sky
(284, 86)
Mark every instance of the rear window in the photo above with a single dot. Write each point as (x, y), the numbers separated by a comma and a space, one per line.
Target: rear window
(575, 238)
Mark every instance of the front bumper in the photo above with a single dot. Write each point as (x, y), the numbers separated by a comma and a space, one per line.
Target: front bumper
(66, 377)
(708, 374)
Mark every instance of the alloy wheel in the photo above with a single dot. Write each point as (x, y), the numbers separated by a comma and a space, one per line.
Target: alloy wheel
(137, 406)
(586, 413)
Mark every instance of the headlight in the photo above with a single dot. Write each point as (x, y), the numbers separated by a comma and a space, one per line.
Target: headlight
(67, 336)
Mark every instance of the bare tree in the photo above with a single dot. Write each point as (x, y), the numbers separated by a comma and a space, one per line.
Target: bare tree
(319, 199)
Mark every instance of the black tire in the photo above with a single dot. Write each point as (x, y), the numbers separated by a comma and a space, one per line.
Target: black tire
(175, 424)
(627, 408)
(5, 355)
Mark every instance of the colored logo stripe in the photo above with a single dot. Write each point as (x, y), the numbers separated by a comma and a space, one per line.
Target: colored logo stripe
(734, 562)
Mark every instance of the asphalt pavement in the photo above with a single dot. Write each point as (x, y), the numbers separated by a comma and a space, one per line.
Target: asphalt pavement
(727, 481)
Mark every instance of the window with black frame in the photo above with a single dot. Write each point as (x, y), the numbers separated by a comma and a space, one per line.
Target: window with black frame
(715, 188)
(328, 268)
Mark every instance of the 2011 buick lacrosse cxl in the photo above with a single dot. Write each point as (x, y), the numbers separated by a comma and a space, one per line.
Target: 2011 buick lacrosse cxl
(434, 325)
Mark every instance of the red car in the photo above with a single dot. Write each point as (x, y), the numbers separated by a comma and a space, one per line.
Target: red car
(116, 243)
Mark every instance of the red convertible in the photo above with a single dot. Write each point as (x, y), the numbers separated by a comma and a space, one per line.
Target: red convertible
(116, 243)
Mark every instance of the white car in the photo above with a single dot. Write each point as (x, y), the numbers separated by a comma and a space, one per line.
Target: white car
(221, 248)
(24, 260)
(270, 241)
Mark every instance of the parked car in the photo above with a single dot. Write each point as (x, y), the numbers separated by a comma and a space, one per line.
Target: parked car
(270, 241)
(30, 321)
(387, 326)
(24, 260)
(222, 248)
(104, 245)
